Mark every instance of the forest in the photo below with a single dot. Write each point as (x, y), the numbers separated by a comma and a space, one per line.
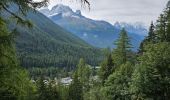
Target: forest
(117, 74)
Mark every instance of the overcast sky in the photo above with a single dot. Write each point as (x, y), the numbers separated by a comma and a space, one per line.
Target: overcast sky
(130, 11)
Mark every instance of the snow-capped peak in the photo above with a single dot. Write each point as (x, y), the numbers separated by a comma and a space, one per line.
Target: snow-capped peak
(61, 9)
(137, 27)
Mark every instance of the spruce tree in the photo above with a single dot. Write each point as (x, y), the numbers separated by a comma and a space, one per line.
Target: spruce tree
(167, 14)
(161, 28)
(151, 35)
(151, 38)
(122, 47)
(75, 89)
(117, 85)
(84, 73)
(151, 78)
(107, 68)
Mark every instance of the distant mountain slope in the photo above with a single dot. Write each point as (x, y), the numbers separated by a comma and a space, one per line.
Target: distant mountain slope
(47, 44)
(97, 33)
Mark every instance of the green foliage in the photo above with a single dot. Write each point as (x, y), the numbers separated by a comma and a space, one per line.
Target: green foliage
(151, 34)
(95, 93)
(14, 81)
(51, 72)
(81, 82)
(151, 77)
(148, 80)
(107, 68)
(117, 85)
(162, 26)
(151, 38)
(75, 89)
(123, 46)
(47, 44)
(84, 73)
(47, 90)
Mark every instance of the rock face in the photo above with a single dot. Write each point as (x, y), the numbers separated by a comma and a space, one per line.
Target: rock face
(95, 32)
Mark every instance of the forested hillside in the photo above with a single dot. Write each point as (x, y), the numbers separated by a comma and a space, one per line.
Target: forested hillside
(47, 44)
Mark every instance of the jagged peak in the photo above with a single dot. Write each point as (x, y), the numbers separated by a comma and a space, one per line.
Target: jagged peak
(60, 8)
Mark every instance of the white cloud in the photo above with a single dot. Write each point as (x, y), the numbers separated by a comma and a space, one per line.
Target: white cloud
(119, 10)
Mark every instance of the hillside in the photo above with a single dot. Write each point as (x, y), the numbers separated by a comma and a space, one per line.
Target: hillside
(47, 44)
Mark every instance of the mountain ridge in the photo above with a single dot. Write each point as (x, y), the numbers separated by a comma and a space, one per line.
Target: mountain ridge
(98, 33)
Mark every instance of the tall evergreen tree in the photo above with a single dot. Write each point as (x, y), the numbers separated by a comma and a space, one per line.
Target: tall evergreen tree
(167, 14)
(84, 73)
(42, 89)
(80, 67)
(122, 47)
(151, 38)
(151, 35)
(107, 68)
(117, 85)
(75, 89)
(161, 28)
(151, 78)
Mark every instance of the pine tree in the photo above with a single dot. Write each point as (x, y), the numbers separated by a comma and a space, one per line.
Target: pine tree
(75, 89)
(84, 73)
(151, 35)
(150, 79)
(107, 68)
(151, 38)
(117, 85)
(42, 89)
(161, 28)
(122, 47)
(80, 67)
(52, 91)
(167, 14)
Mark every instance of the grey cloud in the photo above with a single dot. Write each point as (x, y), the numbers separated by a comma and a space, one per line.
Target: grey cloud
(120, 10)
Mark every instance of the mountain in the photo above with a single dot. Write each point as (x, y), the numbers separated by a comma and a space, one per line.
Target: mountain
(47, 44)
(136, 28)
(97, 33)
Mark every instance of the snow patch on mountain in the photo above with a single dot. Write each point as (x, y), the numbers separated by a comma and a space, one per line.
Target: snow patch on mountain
(65, 11)
(137, 28)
